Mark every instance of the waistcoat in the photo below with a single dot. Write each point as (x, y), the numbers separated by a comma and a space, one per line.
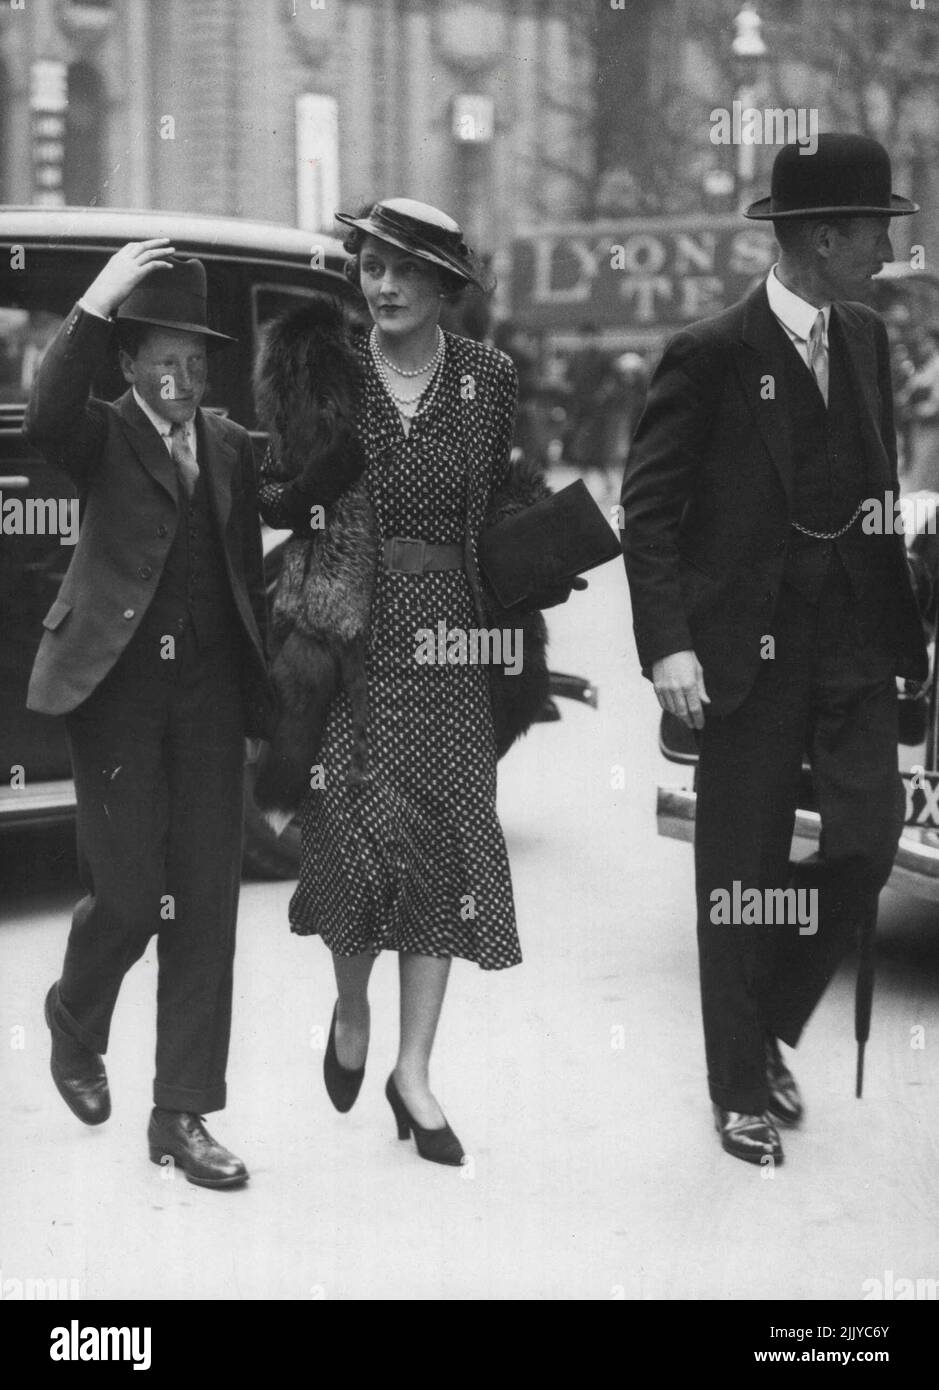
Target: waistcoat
(829, 476)
(194, 593)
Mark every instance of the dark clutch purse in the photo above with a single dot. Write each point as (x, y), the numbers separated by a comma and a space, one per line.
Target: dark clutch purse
(546, 545)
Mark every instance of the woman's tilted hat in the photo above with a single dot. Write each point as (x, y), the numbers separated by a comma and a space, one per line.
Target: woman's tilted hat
(422, 230)
(846, 176)
(174, 298)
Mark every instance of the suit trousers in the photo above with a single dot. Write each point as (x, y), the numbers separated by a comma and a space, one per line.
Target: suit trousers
(158, 758)
(828, 693)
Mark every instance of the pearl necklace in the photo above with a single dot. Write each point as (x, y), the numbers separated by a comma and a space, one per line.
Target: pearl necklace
(399, 371)
(429, 391)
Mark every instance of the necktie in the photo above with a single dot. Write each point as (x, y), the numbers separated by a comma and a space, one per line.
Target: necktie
(818, 354)
(184, 458)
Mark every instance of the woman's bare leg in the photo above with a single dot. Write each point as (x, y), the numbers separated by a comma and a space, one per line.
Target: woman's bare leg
(352, 1010)
(423, 985)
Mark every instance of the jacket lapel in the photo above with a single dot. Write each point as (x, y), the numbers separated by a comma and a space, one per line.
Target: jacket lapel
(216, 457)
(147, 444)
(761, 366)
(860, 355)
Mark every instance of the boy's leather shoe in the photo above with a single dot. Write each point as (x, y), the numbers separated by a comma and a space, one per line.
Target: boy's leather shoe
(77, 1071)
(183, 1137)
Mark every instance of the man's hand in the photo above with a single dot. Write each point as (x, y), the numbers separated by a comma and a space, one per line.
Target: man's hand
(124, 272)
(679, 684)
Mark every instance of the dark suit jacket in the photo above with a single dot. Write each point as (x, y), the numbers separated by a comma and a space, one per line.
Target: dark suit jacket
(707, 493)
(127, 488)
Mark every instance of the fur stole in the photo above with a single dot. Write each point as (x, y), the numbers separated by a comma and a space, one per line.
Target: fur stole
(307, 391)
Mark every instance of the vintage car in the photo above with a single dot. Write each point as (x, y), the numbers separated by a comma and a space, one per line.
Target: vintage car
(908, 300)
(50, 255)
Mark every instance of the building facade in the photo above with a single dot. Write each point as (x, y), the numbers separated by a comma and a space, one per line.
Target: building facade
(518, 116)
(282, 109)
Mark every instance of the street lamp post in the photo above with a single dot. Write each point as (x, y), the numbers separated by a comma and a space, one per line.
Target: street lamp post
(749, 52)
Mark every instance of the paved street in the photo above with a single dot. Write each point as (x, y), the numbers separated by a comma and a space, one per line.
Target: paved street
(576, 1082)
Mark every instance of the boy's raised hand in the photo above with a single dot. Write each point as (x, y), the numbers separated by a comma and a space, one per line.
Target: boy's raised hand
(124, 272)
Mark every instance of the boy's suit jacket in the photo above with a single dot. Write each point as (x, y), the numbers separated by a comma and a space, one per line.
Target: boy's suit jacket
(127, 488)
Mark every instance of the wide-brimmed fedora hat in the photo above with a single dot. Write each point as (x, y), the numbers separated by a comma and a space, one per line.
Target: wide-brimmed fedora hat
(174, 298)
(422, 230)
(847, 176)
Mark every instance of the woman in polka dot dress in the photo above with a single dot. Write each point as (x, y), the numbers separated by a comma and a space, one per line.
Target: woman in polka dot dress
(413, 859)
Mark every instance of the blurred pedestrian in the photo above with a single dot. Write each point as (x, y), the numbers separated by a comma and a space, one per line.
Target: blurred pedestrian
(518, 347)
(618, 406)
(919, 401)
(588, 380)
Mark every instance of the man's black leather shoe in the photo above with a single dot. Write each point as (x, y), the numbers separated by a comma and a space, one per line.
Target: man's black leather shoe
(785, 1102)
(183, 1137)
(750, 1137)
(77, 1071)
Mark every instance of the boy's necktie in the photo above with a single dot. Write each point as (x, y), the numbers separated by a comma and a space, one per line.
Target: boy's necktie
(184, 458)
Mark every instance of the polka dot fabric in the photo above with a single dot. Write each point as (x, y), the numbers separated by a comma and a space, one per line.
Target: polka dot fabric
(414, 859)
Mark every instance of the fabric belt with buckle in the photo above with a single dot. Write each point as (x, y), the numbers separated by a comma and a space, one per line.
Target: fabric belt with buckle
(407, 556)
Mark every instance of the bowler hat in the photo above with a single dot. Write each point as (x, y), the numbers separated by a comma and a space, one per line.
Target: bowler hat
(846, 176)
(422, 230)
(174, 298)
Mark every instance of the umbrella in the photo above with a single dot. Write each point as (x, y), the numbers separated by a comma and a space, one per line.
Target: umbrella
(864, 992)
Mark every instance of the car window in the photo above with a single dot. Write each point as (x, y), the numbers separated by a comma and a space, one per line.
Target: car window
(24, 336)
(270, 301)
(34, 301)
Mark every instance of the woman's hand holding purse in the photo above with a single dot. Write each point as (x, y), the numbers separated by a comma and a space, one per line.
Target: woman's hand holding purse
(552, 597)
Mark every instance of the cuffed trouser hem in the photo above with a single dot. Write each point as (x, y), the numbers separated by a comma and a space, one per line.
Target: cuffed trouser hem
(194, 1102)
(744, 1102)
(96, 1041)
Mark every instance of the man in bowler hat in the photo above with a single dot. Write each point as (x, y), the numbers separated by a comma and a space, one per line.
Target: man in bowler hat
(154, 651)
(769, 620)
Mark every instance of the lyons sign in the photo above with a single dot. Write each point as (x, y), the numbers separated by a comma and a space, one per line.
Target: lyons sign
(638, 273)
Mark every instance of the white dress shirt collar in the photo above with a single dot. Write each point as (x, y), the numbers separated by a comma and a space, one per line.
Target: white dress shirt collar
(164, 426)
(795, 314)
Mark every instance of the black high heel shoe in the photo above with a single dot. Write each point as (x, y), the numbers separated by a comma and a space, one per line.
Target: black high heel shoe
(342, 1083)
(437, 1145)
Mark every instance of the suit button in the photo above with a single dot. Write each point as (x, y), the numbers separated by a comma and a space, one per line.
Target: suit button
(128, 612)
(162, 530)
(145, 571)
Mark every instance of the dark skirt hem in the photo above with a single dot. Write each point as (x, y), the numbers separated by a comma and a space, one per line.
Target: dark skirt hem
(375, 949)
